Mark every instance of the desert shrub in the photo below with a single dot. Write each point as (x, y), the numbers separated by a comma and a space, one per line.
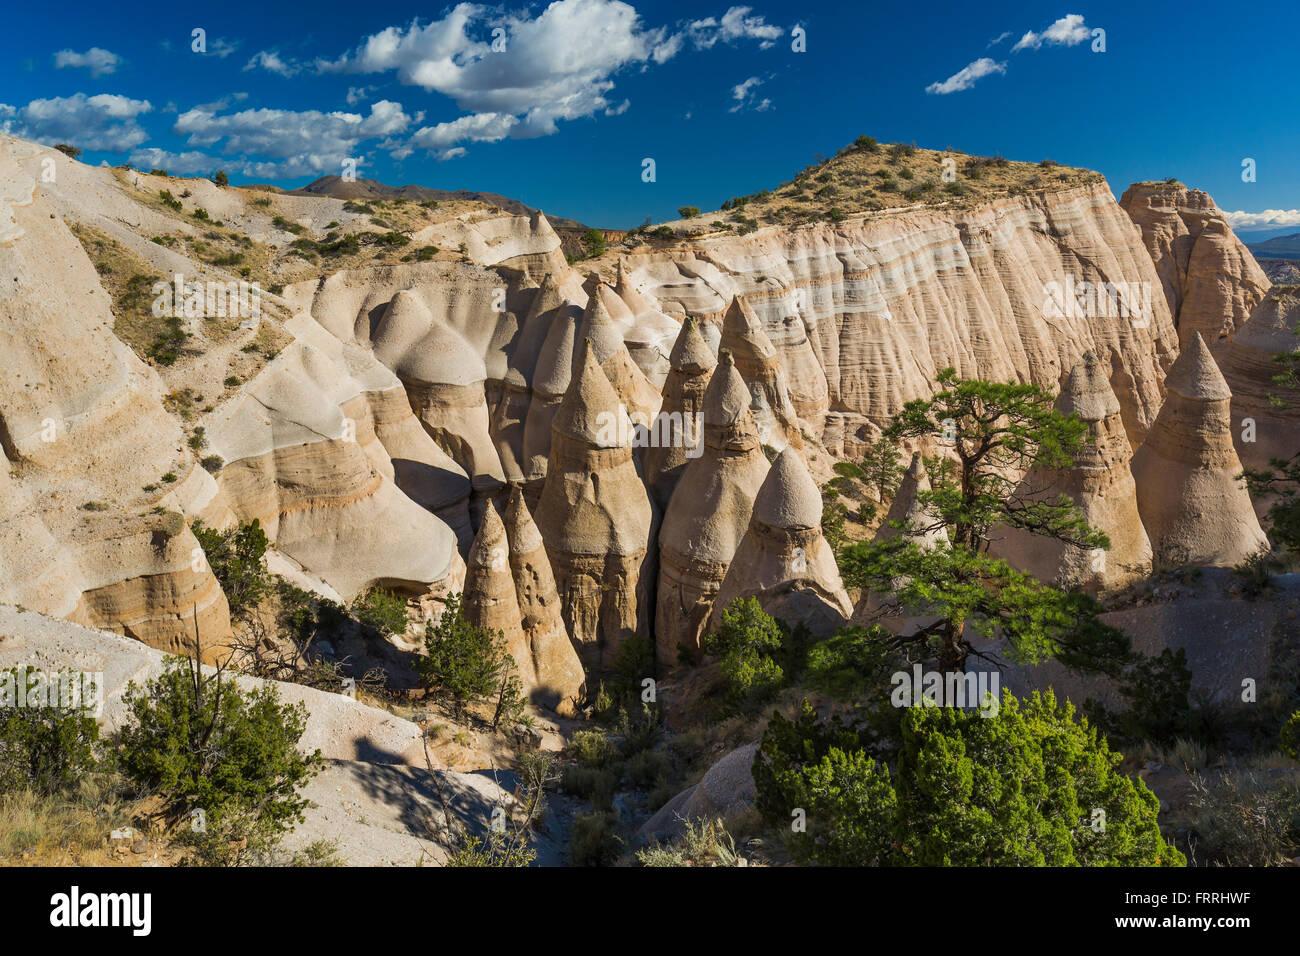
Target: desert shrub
(593, 840)
(220, 178)
(591, 748)
(1255, 573)
(702, 843)
(1290, 738)
(1241, 819)
(851, 663)
(168, 342)
(49, 748)
(202, 742)
(867, 143)
(381, 612)
(646, 769)
(749, 643)
(67, 150)
(466, 664)
(1022, 788)
(688, 212)
(237, 557)
(212, 463)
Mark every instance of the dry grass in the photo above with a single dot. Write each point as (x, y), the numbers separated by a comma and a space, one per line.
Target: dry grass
(71, 830)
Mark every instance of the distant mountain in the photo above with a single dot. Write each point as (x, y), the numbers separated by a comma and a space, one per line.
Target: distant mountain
(1283, 247)
(336, 188)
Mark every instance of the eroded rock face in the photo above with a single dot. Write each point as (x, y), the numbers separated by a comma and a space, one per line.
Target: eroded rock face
(595, 517)
(302, 456)
(784, 560)
(560, 680)
(1193, 504)
(1102, 486)
(1263, 429)
(757, 361)
(708, 516)
(888, 302)
(1210, 279)
(692, 363)
(82, 433)
(921, 524)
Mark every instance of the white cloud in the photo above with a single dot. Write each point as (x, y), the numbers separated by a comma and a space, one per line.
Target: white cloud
(1067, 31)
(187, 162)
(735, 24)
(999, 38)
(557, 65)
(99, 61)
(272, 62)
(620, 109)
(1269, 217)
(742, 93)
(105, 121)
(358, 93)
(966, 77)
(221, 48)
(295, 143)
(454, 153)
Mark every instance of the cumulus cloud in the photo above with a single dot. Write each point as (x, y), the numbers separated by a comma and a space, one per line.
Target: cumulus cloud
(735, 24)
(295, 143)
(557, 65)
(744, 96)
(187, 162)
(97, 60)
(1067, 31)
(358, 93)
(1269, 217)
(967, 76)
(105, 121)
(272, 62)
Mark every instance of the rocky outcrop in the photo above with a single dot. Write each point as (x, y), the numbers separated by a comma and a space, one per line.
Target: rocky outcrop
(638, 396)
(302, 456)
(756, 359)
(784, 560)
(1210, 280)
(920, 523)
(595, 517)
(445, 381)
(649, 334)
(1100, 484)
(708, 516)
(560, 681)
(1265, 415)
(89, 530)
(678, 432)
(552, 374)
(887, 301)
(1192, 501)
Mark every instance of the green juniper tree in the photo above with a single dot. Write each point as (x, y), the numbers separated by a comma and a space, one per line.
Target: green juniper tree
(1282, 477)
(996, 432)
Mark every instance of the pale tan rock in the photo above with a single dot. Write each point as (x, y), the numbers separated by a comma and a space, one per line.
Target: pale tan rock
(784, 560)
(708, 516)
(1265, 415)
(692, 363)
(889, 300)
(444, 379)
(1210, 279)
(561, 684)
(489, 600)
(1100, 484)
(639, 397)
(758, 364)
(650, 334)
(595, 517)
(1194, 506)
(551, 377)
(922, 525)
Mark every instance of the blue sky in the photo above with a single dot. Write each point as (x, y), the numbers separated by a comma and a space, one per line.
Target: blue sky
(585, 90)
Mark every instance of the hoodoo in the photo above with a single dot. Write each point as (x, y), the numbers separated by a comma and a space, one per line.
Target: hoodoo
(595, 517)
(783, 559)
(489, 599)
(1193, 503)
(708, 515)
(692, 363)
(560, 680)
(922, 525)
(1100, 483)
(758, 364)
